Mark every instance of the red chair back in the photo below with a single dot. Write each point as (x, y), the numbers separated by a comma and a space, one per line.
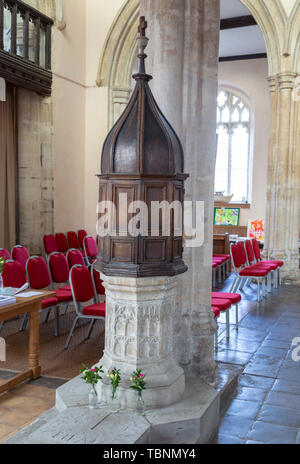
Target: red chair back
(249, 250)
(38, 273)
(20, 254)
(256, 249)
(242, 251)
(73, 240)
(81, 235)
(5, 254)
(98, 282)
(59, 268)
(62, 243)
(75, 257)
(82, 284)
(236, 256)
(50, 244)
(90, 246)
(13, 275)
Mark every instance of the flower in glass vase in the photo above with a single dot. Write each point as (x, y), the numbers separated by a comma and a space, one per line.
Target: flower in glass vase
(115, 379)
(138, 384)
(92, 377)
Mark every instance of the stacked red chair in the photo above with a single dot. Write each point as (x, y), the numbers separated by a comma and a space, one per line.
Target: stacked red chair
(98, 283)
(83, 291)
(259, 260)
(75, 257)
(90, 249)
(5, 254)
(20, 253)
(59, 271)
(50, 244)
(62, 243)
(272, 267)
(243, 272)
(223, 305)
(234, 299)
(73, 241)
(81, 235)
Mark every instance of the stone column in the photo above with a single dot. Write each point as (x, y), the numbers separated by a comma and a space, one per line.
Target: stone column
(138, 334)
(283, 185)
(183, 57)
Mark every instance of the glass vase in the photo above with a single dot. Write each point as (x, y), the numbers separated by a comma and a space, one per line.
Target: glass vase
(1, 283)
(93, 398)
(114, 404)
(140, 405)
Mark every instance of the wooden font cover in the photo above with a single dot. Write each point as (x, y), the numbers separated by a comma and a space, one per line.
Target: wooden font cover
(142, 157)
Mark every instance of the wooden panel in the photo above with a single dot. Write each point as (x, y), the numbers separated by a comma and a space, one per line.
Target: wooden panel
(154, 250)
(123, 217)
(177, 248)
(122, 251)
(221, 244)
(241, 231)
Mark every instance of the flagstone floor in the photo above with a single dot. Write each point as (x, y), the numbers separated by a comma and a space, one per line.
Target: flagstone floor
(266, 408)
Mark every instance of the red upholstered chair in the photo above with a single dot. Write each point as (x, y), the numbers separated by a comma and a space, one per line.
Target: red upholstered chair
(62, 243)
(81, 234)
(258, 258)
(39, 279)
(223, 305)
(75, 257)
(90, 249)
(234, 299)
(13, 276)
(20, 253)
(98, 283)
(83, 291)
(243, 272)
(5, 254)
(272, 267)
(73, 240)
(50, 244)
(59, 270)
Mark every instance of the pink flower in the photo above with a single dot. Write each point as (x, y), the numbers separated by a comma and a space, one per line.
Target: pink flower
(134, 378)
(141, 376)
(93, 370)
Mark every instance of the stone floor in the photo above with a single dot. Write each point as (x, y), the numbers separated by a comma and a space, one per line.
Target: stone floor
(266, 408)
(24, 404)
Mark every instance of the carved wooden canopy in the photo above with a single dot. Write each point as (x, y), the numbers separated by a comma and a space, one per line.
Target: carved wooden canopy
(143, 158)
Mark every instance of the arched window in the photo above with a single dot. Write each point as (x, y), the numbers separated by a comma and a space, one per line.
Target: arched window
(233, 155)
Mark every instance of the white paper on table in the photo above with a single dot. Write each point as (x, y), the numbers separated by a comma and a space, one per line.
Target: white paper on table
(29, 294)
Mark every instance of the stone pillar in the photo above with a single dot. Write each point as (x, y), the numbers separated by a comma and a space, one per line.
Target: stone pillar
(283, 185)
(138, 334)
(183, 56)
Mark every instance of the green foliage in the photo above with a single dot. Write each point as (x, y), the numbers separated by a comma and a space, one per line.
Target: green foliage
(2, 262)
(115, 378)
(91, 376)
(138, 381)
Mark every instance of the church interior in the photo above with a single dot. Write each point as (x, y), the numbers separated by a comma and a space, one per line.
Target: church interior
(184, 330)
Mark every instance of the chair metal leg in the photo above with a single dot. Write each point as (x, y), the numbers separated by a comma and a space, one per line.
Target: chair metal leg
(71, 333)
(91, 327)
(243, 284)
(279, 277)
(220, 274)
(269, 279)
(224, 271)
(214, 278)
(57, 321)
(236, 279)
(237, 285)
(24, 323)
(236, 317)
(216, 337)
(65, 309)
(264, 287)
(1, 325)
(227, 324)
(258, 290)
(46, 318)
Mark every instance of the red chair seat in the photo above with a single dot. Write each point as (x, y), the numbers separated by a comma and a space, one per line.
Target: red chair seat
(94, 310)
(277, 263)
(233, 297)
(216, 312)
(222, 256)
(221, 304)
(48, 302)
(271, 267)
(63, 295)
(254, 271)
(214, 265)
(66, 288)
